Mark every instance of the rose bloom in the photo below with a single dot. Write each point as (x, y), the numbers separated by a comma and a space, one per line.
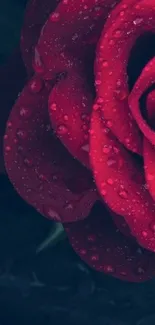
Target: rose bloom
(79, 140)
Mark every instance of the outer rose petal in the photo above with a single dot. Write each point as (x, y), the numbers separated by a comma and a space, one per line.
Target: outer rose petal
(68, 32)
(12, 78)
(70, 104)
(62, 45)
(36, 14)
(99, 243)
(124, 26)
(40, 168)
(120, 182)
(148, 148)
(149, 161)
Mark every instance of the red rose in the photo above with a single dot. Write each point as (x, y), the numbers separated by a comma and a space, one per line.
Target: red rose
(62, 131)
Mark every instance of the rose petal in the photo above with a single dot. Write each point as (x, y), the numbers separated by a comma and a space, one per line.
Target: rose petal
(40, 168)
(113, 52)
(36, 14)
(70, 105)
(145, 81)
(121, 184)
(98, 242)
(149, 159)
(12, 78)
(67, 33)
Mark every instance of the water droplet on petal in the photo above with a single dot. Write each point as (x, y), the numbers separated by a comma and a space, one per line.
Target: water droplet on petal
(95, 257)
(150, 177)
(103, 192)
(69, 206)
(85, 147)
(7, 148)
(28, 162)
(120, 94)
(55, 17)
(106, 149)
(25, 112)
(123, 194)
(36, 85)
(42, 177)
(9, 125)
(108, 269)
(38, 64)
(138, 21)
(83, 251)
(110, 181)
(53, 107)
(111, 162)
(62, 129)
(97, 82)
(52, 213)
(21, 134)
(91, 238)
(66, 118)
(105, 64)
(144, 234)
(117, 33)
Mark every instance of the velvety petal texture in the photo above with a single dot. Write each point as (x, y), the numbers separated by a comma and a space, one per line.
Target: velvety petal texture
(78, 133)
(12, 79)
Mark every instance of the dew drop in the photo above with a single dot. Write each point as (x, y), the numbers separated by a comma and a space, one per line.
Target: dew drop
(25, 112)
(62, 129)
(144, 234)
(53, 107)
(28, 162)
(120, 94)
(21, 134)
(97, 82)
(110, 181)
(9, 125)
(36, 85)
(38, 64)
(83, 251)
(95, 257)
(7, 148)
(69, 206)
(52, 213)
(123, 194)
(42, 177)
(108, 269)
(150, 177)
(91, 238)
(103, 192)
(117, 33)
(109, 124)
(139, 270)
(106, 149)
(85, 147)
(105, 64)
(111, 162)
(55, 17)
(66, 118)
(138, 21)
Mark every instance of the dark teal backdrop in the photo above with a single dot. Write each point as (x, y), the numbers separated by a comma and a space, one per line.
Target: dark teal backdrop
(54, 287)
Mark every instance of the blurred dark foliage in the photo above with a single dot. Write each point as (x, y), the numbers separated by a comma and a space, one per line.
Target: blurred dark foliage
(55, 287)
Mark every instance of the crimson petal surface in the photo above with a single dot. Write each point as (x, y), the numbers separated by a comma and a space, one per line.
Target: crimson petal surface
(99, 243)
(38, 165)
(121, 183)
